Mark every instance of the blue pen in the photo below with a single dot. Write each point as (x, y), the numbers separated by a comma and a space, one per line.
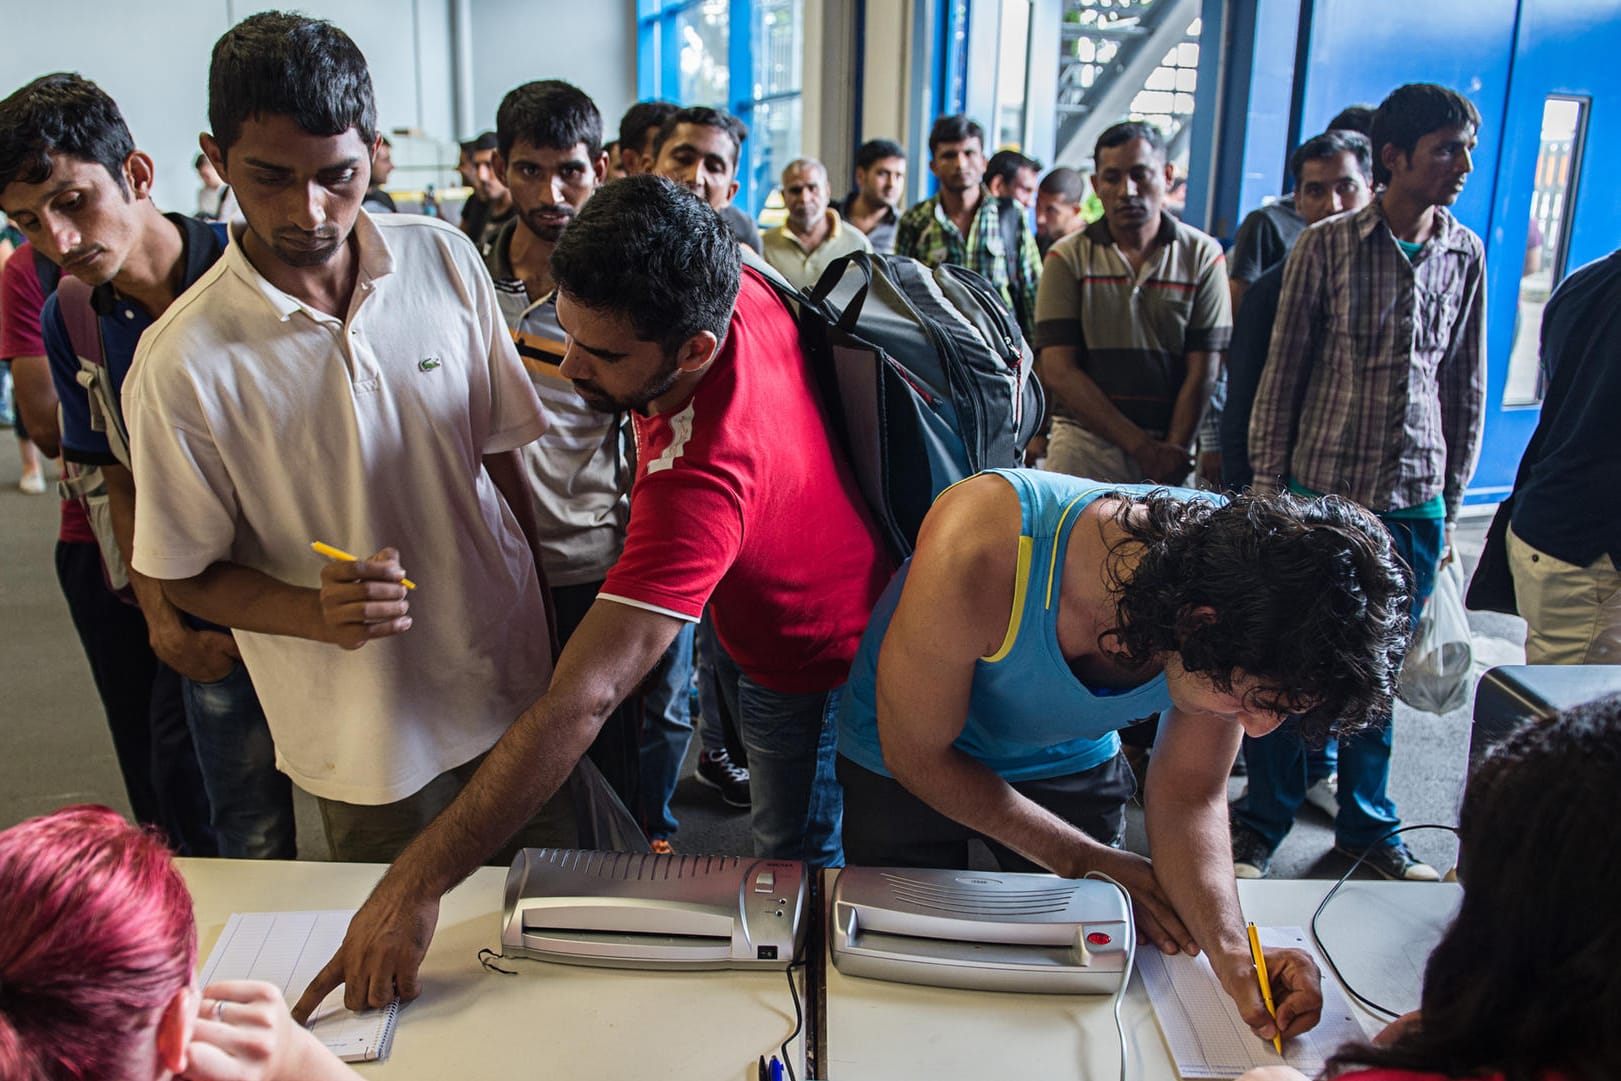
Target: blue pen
(776, 1068)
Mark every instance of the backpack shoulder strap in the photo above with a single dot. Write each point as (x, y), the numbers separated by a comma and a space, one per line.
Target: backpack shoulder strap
(84, 333)
(80, 319)
(1010, 216)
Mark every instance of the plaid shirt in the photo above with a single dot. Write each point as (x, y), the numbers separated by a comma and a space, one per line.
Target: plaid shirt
(1375, 382)
(927, 235)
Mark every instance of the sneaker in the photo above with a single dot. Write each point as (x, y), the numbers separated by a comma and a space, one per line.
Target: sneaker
(1325, 795)
(717, 770)
(661, 846)
(1393, 859)
(32, 482)
(1252, 856)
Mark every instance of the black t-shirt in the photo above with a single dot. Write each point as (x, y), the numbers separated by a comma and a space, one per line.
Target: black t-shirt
(1264, 239)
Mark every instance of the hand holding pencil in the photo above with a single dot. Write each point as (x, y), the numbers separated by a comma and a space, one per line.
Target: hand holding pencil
(1279, 993)
(362, 599)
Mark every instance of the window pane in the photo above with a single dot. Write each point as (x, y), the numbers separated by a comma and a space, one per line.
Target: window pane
(779, 51)
(1012, 71)
(1552, 199)
(773, 143)
(702, 36)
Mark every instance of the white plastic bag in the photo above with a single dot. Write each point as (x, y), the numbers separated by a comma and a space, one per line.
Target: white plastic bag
(1435, 677)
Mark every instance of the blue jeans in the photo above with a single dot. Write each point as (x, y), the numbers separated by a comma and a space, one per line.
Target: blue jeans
(1279, 767)
(666, 732)
(252, 801)
(791, 739)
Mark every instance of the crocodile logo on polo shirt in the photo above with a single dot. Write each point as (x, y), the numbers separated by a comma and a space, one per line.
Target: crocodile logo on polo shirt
(428, 364)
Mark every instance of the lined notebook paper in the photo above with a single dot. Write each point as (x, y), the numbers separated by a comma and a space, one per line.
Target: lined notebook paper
(289, 949)
(1201, 1024)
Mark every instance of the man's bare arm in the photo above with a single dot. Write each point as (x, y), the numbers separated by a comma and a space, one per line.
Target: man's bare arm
(1193, 398)
(613, 649)
(36, 402)
(1059, 369)
(356, 603)
(1186, 797)
(204, 656)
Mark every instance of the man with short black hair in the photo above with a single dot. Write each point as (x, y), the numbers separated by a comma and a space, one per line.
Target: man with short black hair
(346, 379)
(1268, 232)
(489, 208)
(1011, 175)
(638, 130)
(966, 225)
(1058, 207)
(550, 158)
(700, 148)
(813, 235)
(880, 183)
(1374, 389)
(1132, 318)
(72, 179)
(742, 505)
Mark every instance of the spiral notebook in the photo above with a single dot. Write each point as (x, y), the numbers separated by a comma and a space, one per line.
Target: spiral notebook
(289, 949)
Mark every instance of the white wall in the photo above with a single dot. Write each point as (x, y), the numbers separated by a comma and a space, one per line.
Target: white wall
(590, 43)
(153, 60)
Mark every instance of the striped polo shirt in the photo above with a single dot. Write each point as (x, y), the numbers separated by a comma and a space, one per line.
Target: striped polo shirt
(1134, 330)
(579, 469)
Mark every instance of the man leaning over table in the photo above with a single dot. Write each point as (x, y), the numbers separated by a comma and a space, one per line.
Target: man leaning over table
(741, 503)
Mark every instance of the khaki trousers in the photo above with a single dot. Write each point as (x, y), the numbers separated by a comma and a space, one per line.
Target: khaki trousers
(1573, 614)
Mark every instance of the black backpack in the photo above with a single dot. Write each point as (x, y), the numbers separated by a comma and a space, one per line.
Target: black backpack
(924, 375)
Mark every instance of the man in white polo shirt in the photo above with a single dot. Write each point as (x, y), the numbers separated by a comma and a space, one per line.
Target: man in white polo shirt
(350, 380)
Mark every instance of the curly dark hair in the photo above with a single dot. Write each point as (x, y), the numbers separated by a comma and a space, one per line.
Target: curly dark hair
(1523, 981)
(1309, 598)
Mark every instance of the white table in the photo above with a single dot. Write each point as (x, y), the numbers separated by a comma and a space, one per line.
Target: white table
(550, 1020)
(1378, 932)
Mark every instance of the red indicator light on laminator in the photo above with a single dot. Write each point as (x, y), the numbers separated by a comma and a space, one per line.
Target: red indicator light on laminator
(1098, 938)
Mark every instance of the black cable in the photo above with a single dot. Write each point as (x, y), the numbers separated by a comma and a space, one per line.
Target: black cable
(489, 962)
(1329, 896)
(799, 1020)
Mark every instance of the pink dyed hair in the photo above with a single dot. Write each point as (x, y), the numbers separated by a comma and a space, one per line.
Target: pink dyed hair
(96, 935)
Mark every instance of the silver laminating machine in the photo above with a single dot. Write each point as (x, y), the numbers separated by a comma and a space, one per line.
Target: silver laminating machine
(635, 910)
(982, 930)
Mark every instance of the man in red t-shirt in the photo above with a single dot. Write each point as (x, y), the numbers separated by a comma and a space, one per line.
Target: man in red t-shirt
(740, 503)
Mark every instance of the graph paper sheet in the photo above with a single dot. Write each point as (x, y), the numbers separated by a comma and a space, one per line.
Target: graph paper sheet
(1206, 1036)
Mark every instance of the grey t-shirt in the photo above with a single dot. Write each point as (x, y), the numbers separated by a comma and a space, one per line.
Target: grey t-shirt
(1263, 239)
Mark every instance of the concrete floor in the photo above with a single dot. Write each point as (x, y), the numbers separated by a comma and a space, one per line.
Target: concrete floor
(54, 747)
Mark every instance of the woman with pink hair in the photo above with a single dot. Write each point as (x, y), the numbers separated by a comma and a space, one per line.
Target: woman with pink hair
(98, 949)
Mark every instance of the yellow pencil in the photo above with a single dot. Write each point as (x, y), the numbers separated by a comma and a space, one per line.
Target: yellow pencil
(1266, 984)
(339, 554)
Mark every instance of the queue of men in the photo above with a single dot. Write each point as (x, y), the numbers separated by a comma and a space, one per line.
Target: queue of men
(580, 450)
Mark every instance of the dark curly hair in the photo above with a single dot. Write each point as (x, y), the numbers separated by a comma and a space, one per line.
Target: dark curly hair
(1523, 982)
(1309, 597)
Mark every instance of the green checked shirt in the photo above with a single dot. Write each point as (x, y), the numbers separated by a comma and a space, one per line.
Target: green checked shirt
(927, 235)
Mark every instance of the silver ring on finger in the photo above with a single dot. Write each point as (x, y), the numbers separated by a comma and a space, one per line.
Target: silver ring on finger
(219, 1010)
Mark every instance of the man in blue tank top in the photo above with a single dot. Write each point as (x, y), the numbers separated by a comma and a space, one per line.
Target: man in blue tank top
(1040, 614)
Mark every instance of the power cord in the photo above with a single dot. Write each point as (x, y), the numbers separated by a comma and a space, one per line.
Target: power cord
(1131, 959)
(799, 1018)
(1329, 896)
